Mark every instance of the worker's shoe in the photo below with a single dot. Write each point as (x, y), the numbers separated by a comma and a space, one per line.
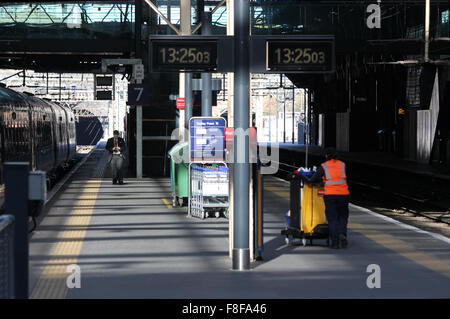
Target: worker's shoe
(344, 242)
(114, 181)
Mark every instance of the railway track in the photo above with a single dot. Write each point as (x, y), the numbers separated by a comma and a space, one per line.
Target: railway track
(386, 201)
(58, 185)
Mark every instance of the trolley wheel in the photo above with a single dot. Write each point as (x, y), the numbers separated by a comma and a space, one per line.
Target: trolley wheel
(304, 242)
(207, 214)
(287, 240)
(203, 215)
(174, 201)
(180, 201)
(217, 214)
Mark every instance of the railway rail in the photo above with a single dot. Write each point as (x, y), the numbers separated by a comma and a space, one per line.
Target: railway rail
(382, 200)
(85, 152)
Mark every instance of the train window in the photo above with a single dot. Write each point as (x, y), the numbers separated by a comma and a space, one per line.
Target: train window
(14, 115)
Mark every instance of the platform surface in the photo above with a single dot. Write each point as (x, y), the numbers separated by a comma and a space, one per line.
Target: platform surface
(129, 242)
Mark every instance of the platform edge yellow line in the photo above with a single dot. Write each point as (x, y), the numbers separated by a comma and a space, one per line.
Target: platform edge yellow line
(165, 201)
(52, 282)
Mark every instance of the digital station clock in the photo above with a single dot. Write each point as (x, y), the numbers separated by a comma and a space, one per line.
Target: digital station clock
(300, 56)
(184, 55)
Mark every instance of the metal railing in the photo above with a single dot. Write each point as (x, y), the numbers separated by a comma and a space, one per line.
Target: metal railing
(6, 257)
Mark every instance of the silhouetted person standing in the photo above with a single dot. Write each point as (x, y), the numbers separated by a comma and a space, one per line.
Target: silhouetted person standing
(116, 147)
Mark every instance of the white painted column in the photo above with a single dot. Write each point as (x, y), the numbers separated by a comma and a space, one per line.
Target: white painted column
(230, 123)
(185, 26)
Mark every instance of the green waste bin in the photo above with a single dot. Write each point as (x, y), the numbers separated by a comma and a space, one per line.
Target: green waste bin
(179, 173)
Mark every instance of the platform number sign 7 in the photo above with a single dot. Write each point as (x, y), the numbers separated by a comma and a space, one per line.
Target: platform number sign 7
(138, 94)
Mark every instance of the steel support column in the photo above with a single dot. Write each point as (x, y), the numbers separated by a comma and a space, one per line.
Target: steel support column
(187, 99)
(139, 141)
(293, 112)
(206, 76)
(138, 43)
(284, 115)
(241, 171)
(185, 29)
(230, 104)
(270, 118)
(427, 30)
(16, 204)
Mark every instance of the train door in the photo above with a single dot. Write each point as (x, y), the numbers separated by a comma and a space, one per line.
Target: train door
(67, 131)
(72, 134)
(62, 127)
(61, 146)
(55, 133)
(1, 146)
(32, 137)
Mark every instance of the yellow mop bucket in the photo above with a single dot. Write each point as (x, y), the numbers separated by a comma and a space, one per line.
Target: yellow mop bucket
(312, 207)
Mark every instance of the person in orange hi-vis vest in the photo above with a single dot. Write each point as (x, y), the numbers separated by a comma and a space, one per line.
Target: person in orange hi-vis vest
(336, 196)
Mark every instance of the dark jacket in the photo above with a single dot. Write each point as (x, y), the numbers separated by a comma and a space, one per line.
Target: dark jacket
(120, 143)
(317, 177)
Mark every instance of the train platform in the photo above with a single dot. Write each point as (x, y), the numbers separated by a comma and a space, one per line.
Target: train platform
(374, 159)
(129, 242)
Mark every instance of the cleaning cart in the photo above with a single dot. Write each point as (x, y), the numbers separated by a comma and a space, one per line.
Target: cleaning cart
(306, 218)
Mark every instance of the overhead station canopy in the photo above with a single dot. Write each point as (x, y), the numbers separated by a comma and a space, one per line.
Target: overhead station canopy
(67, 19)
(53, 33)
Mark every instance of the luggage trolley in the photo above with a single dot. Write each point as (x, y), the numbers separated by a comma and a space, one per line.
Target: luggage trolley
(208, 190)
(208, 171)
(306, 219)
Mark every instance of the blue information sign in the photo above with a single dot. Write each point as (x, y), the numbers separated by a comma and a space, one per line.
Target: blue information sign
(207, 139)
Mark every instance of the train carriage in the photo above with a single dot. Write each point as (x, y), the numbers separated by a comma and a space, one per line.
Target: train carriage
(15, 142)
(37, 131)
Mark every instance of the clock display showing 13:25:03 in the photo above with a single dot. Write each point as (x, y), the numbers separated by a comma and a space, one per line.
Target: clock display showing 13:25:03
(301, 56)
(185, 56)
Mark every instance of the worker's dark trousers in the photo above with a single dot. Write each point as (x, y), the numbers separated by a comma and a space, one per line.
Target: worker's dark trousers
(336, 210)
